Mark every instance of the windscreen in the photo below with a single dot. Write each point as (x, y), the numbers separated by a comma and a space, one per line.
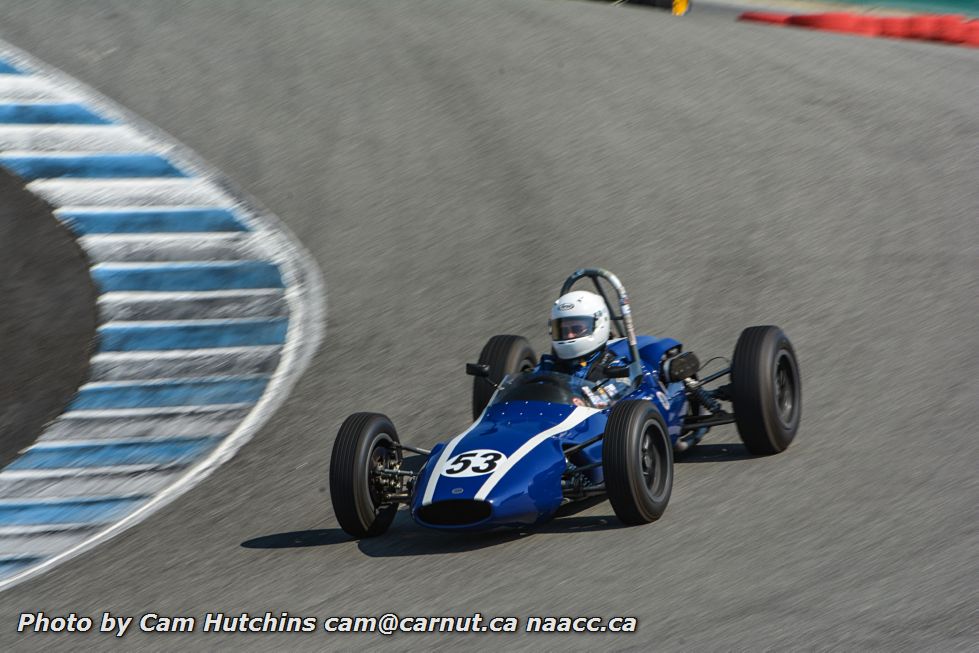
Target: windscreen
(558, 388)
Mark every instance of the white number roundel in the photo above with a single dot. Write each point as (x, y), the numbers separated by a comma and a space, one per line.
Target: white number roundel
(473, 463)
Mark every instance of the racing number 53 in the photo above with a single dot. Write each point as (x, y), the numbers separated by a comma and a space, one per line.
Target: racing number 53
(473, 463)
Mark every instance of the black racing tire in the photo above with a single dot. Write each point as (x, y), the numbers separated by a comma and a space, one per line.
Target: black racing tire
(637, 459)
(364, 441)
(766, 390)
(504, 355)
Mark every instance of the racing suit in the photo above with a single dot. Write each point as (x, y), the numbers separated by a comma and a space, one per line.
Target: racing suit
(586, 371)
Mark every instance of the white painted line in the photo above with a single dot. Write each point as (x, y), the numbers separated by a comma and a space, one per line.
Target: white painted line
(39, 544)
(190, 322)
(184, 240)
(162, 265)
(66, 98)
(74, 138)
(266, 301)
(267, 305)
(137, 192)
(219, 423)
(121, 296)
(75, 472)
(28, 88)
(122, 366)
(69, 153)
(74, 486)
(171, 247)
(152, 412)
(181, 354)
(56, 500)
(40, 529)
(41, 445)
(122, 384)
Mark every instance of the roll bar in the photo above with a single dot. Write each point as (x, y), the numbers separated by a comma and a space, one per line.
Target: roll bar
(623, 320)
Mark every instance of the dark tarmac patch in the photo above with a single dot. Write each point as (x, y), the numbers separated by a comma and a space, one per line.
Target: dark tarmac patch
(47, 316)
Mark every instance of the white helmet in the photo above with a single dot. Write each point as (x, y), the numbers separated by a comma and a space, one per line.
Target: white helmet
(579, 324)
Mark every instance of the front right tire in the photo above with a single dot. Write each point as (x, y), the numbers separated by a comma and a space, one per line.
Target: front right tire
(364, 445)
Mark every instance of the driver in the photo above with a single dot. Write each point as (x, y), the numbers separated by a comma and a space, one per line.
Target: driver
(579, 327)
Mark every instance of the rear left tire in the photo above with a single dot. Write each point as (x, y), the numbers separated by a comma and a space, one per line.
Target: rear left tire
(504, 355)
(766, 390)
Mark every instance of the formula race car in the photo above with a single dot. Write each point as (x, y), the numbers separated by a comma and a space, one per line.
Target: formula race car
(542, 438)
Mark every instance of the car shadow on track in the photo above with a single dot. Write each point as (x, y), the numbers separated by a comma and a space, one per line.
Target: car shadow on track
(408, 539)
(403, 539)
(298, 539)
(715, 453)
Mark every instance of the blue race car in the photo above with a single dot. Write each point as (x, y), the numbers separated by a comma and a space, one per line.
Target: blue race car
(546, 434)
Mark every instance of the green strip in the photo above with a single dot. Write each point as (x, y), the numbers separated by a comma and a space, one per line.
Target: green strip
(967, 7)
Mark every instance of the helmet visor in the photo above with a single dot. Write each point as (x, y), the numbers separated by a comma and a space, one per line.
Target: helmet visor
(569, 328)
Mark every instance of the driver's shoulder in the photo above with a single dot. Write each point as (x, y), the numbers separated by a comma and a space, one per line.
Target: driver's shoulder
(550, 363)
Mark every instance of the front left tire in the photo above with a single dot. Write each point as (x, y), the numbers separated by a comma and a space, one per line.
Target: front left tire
(637, 459)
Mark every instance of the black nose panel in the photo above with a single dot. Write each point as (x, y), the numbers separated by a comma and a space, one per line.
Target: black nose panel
(455, 512)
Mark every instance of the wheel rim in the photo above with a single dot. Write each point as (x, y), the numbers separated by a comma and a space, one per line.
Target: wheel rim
(652, 456)
(382, 456)
(785, 388)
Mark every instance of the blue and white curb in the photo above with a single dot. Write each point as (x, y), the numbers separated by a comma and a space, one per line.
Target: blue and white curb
(208, 313)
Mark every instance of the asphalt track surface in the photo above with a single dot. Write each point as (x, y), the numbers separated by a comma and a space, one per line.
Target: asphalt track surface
(448, 164)
(47, 316)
